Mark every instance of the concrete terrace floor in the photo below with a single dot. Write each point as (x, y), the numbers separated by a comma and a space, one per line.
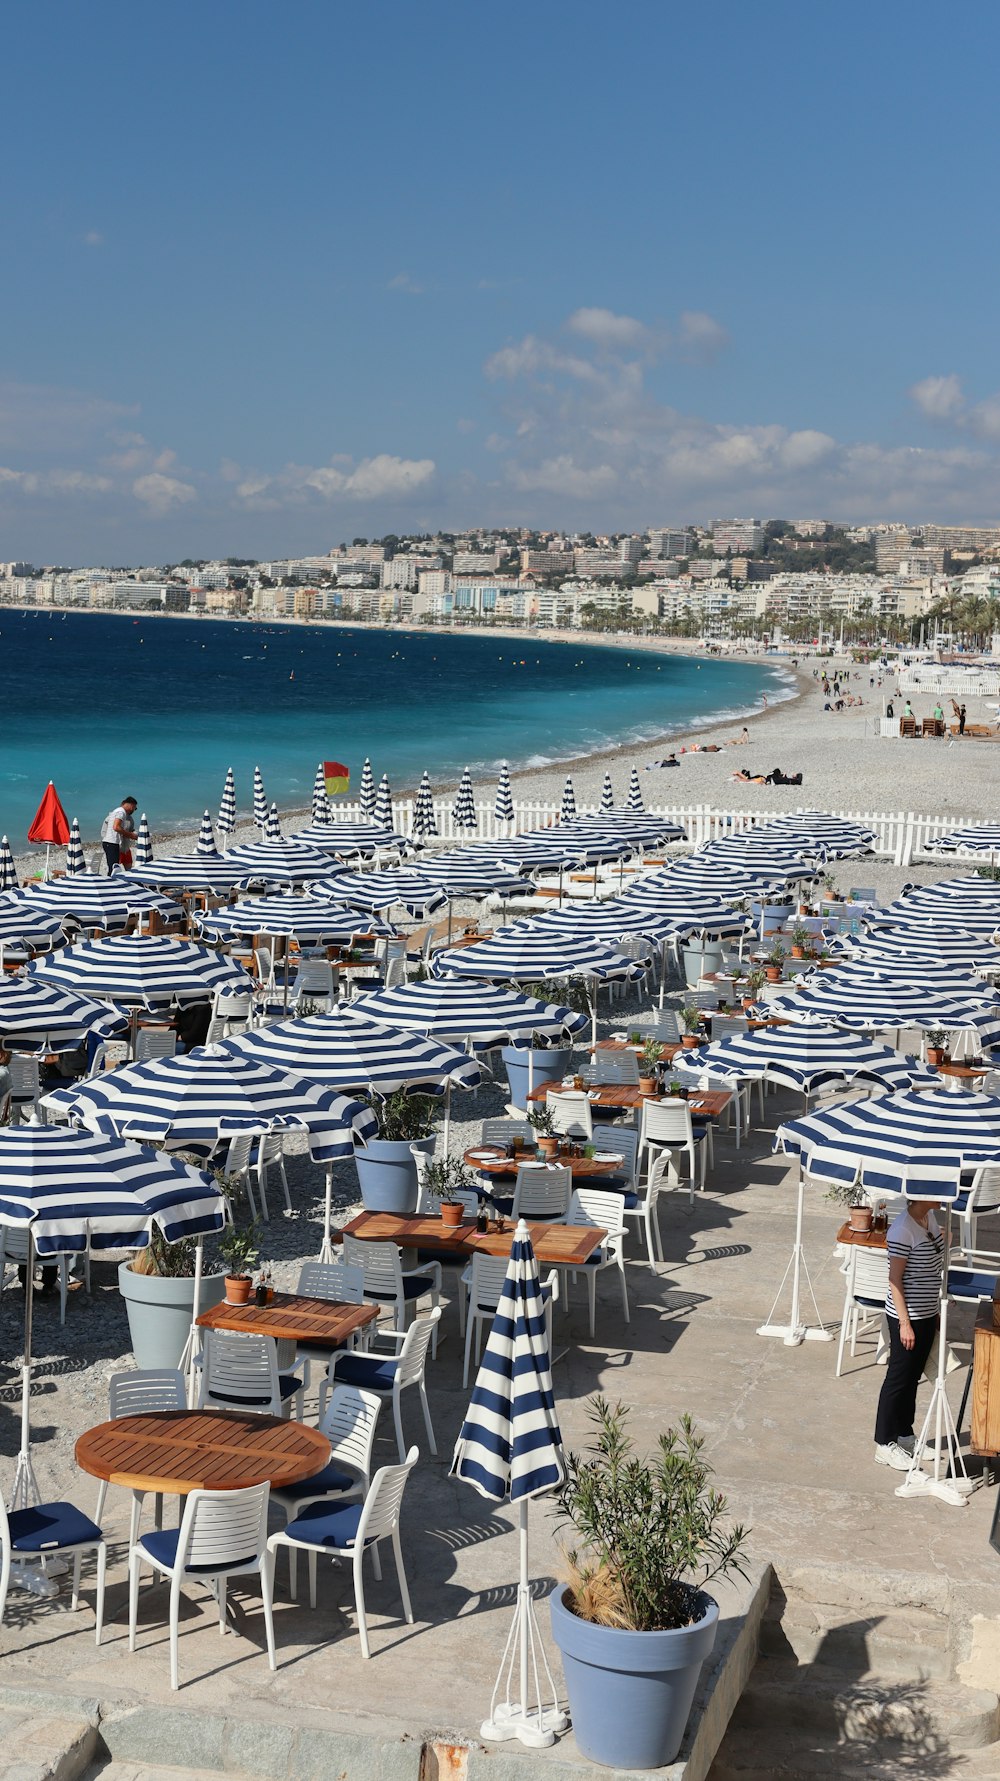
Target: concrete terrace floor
(791, 1446)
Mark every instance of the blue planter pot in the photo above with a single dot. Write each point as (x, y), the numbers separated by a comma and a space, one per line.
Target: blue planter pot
(630, 1694)
(160, 1312)
(546, 1066)
(387, 1174)
(700, 959)
(775, 916)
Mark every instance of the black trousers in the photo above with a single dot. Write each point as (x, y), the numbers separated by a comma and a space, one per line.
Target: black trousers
(898, 1397)
(112, 853)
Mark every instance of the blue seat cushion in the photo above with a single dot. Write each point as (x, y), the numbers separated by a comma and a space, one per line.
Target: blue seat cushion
(595, 1260)
(630, 1201)
(161, 1544)
(413, 1288)
(328, 1481)
(971, 1283)
(365, 1370)
(288, 1385)
(319, 1525)
(47, 1525)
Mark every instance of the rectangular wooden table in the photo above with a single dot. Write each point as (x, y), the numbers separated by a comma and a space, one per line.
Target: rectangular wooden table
(709, 1103)
(289, 1317)
(555, 1245)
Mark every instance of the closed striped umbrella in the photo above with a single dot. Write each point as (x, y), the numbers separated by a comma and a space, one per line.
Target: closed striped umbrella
(350, 1051)
(567, 809)
(382, 890)
(382, 814)
(142, 852)
(56, 1018)
(302, 917)
(510, 1446)
(8, 870)
(475, 1014)
(22, 922)
(277, 862)
(272, 827)
(898, 1143)
(809, 1057)
(95, 901)
(516, 954)
(149, 969)
(205, 843)
(320, 800)
(366, 790)
(226, 824)
(464, 812)
(210, 1094)
(607, 794)
(259, 800)
(503, 808)
(981, 837)
(424, 823)
(349, 839)
(634, 799)
(75, 861)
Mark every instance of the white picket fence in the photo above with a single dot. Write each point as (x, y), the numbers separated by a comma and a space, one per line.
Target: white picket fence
(900, 836)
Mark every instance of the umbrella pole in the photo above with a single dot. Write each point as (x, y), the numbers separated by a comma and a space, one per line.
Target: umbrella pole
(326, 1247)
(32, 1577)
(535, 1726)
(939, 1423)
(190, 1347)
(795, 1331)
(447, 1115)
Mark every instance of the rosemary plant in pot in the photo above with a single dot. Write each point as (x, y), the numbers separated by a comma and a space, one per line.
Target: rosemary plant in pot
(634, 1623)
(387, 1170)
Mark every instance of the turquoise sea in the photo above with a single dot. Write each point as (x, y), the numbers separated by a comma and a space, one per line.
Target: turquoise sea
(107, 705)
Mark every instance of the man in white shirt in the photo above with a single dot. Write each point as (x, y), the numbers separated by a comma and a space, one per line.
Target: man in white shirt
(118, 830)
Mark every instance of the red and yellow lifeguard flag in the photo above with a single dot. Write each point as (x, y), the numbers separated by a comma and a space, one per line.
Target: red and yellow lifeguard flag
(338, 778)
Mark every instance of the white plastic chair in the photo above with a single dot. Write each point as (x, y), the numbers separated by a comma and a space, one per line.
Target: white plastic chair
(501, 1131)
(349, 1424)
(14, 1249)
(614, 1068)
(388, 1283)
(484, 1282)
(623, 1141)
(589, 1206)
(982, 1197)
(571, 1112)
(728, 1026)
(109, 1055)
(391, 962)
(867, 1281)
(317, 981)
(667, 1125)
(263, 966)
(25, 1087)
(241, 1373)
(223, 1534)
(136, 1393)
(269, 1153)
(388, 1376)
(48, 1530)
(646, 1208)
(349, 1531)
(233, 1009)
(657, 1023)
(237, 1167)
(338, 1283)
(152, 1042)
(542, 1192)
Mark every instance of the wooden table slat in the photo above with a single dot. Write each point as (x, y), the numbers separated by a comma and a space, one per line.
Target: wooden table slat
(174, 1452)
(292, 1317)
(564, 1245)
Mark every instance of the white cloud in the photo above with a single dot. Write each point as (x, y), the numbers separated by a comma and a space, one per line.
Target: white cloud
(606, 329)
(48, 418)
(939, 398)
(93, 238)
(373, 479)
(162, 493)
(700, 336)
(402, 281)
(561, 476)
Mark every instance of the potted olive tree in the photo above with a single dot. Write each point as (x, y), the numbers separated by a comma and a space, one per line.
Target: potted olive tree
(157, 1285)
(386, 1165)
(240, 1246)
(634, 1622)
(649, 1062)
(855, 1199)
(755, 983)
(443, 1178)
(775, 963)
(542, 1123)
(801, 941)
(937, 1043)
(691, 1022)
(537, 1061)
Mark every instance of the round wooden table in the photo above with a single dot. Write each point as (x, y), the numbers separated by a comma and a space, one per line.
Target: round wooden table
(583, 1167)
(173, 1452)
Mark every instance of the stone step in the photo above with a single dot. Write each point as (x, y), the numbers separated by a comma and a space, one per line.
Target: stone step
(45, 1745)
(132, 1771)
(892, 1643)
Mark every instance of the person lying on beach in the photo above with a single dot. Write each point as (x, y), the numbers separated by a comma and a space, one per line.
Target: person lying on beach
(777, 777)
(749, 778)
(671, 761)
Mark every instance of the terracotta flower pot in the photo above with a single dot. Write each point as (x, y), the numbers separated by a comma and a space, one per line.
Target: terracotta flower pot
(238, 1288)
(936, 1056)
(647, 1085)
(452, 1212)
(798, 952)
(860, 1218)
(549, 1147)
(690, 1041)
(773, 973)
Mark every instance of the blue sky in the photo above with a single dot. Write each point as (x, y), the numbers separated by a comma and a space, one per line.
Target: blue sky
(281, 275)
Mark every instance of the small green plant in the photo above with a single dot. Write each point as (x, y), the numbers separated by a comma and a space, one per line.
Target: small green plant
(445, 1176)
(801, 936)
(846, 1193)
(756, 980)
(635, 1038)
(691, 1019)
(240, 1247)
(652, 1056)
(541, 1121)
(649, 1533)
(566, 992)
(776, 955)
(990, 872)
(673, 1086)
(402, 1118)
(170, 1261)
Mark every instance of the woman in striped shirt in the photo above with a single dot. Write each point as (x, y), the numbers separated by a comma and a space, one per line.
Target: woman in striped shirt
(915, 1246)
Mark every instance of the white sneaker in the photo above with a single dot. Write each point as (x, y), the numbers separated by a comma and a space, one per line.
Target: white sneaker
(892, 1454)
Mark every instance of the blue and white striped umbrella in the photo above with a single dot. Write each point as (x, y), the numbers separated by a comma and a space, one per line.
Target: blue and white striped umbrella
(464, 872)
(907, 1143)
(350, 1051)
(755, 854)
(142, 852)
(272, 827)
(423, 822)
(634, 799)
(619, 916)
(623, 825)
(880, 1005)
(148, 969)
(88, 898)
(937, 978)
(366, 790)
(902, 918)
(553, 851)
(982, 837)
(226, 824)
(8, 870)
(23, 923)
(382, 890)
(567, 809)
(464, 813)
(55, 1018)
(189, 871)
(806, 1058)
(719, 877)
(828, 837)
(475, 1014)
(349, 839)
(259, 800)
(205, 844)
(952, 896)
(503, 808)
(277, 916)
(607, 794)
(933, 945)
(75, 861)
(210, 1094)
(320, 800)
(382, 814)
(277, 862)
(517, 955)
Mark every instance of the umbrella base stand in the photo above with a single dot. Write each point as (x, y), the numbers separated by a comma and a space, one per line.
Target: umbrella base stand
(36, 1581)
(795, 1332)
(536, 1727)
(939, 1427)
(537, 1730)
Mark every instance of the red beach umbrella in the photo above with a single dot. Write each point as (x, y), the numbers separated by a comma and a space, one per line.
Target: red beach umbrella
(50, 824)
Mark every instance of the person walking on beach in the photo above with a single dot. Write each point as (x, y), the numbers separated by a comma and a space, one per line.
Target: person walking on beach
(117, 833)
(915, 1246)
(961, 720)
